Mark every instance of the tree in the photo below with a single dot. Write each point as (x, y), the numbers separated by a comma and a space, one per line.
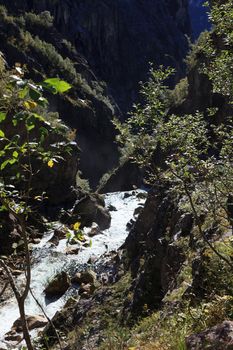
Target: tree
(21, 158)
(196, 150)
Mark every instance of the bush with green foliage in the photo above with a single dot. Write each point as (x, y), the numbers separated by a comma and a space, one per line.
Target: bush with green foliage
(195, 151)
(23, 142)
(219, 48)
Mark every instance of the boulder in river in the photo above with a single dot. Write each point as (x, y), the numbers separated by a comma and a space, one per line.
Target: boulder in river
(58, 285)
(137, 211)
(92, 260)
(94, 230)
(72, 250)
(33, 322)
(57, 236)
(84, 277)
(91, 209)
(142, 195)
(112, 208)
(12, 336)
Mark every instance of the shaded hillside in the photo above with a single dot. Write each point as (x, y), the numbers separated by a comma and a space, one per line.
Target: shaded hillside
(33, 40)
(119, 38)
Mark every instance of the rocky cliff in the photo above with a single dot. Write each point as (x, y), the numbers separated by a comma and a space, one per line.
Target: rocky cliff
(120, 38)
(93, 41)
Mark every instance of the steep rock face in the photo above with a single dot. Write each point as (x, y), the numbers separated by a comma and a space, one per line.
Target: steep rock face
(200, 95)
(87, 108)
(154, 258)
(120, 38)
(115, 41)
(218, 337)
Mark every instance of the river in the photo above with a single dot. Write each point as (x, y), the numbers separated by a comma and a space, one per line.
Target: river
(48, 260)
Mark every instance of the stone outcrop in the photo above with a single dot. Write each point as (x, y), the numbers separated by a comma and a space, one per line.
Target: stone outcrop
(89, 209)
(32, 321)
(154, 258)
(85, 277)
(58, 285)
(124, 178)
(219, 337)
(88, 109)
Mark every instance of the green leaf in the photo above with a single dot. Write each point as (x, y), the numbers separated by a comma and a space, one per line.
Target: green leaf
(57, 85)
(12, 161)
(44, 132)
(3, 208)
(2, 116)
(15, 154)
(2, 133)
(4, 164)
(23, 93)
(39, 117)
(14, 122)
(30, 126)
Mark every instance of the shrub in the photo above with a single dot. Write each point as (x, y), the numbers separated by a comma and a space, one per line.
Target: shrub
(180, 92)
(43, 19)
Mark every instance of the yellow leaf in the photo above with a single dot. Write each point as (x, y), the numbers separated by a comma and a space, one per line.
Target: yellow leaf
(77, 226)
(50, 163)
(30, 104)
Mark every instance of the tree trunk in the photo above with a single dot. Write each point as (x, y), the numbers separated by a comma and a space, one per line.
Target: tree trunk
(26, 334)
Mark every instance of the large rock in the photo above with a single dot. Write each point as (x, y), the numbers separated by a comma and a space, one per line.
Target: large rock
(86, 290)
(59, 285)
(125, 177)
(84, 277)
(91, 209)
(107, 35)
(87, 108)
(199, 17)
(219, 337)
(13, 337)
(33, 322)
(154, 257)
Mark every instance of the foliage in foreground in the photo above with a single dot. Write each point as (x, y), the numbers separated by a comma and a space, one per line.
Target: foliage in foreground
(25, 147)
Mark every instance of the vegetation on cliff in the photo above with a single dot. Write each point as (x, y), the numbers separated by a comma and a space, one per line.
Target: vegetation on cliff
(33, 40)
(174, 276)
(191, 156)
